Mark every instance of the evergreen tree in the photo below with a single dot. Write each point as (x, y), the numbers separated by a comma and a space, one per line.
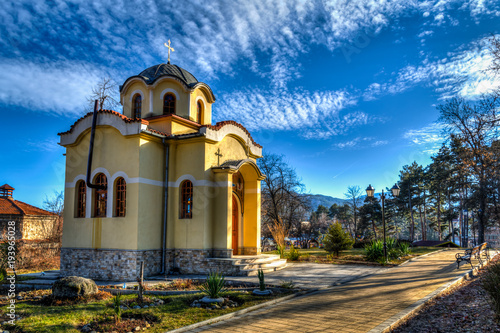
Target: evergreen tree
(337, 239)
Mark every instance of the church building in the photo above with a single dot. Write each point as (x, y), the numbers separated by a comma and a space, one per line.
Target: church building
(164, 185)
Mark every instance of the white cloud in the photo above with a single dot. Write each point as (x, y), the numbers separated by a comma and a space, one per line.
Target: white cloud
(463, 73)
(56, 87)
(428, 139)
(47, 145)
(314, 115)
(359, 143)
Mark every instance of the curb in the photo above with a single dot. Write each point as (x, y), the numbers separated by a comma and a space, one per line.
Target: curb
(407, 313)
(240, 312)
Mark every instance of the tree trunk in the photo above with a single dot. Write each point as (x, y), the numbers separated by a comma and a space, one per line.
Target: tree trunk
(439, 216)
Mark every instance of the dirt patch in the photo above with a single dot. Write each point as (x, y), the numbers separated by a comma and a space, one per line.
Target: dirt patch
(128, 323)
(55, 301)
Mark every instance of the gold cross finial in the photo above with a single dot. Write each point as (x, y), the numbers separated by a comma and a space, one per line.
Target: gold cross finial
(169, 49)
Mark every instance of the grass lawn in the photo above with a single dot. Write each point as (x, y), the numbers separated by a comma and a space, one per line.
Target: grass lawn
(38, 317)
(353, 256)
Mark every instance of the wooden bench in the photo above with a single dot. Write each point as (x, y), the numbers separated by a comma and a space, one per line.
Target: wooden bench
(474, 253)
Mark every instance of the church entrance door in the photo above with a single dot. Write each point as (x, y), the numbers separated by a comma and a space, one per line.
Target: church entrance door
(235, 225)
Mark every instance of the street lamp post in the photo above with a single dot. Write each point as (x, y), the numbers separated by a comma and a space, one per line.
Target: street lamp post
(370, 191)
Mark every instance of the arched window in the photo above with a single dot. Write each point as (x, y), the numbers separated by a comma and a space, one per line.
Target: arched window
(137, 107)
(120, 197)
(100, 195)
(186, 200)
(81, 198)
(199, 112)
(169, 104)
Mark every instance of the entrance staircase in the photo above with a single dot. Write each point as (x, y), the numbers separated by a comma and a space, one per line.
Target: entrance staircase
(249, 265)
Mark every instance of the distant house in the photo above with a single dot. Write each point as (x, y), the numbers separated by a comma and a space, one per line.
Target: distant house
(32, 223)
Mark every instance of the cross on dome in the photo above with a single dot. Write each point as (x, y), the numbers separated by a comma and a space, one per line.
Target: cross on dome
(169, 49)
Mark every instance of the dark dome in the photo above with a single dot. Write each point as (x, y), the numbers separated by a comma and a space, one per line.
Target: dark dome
(152, 73)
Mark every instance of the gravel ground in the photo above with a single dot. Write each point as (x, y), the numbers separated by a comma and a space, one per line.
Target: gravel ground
(465, 308)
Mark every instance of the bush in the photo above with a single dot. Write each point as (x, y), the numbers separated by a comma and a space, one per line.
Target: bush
(262, 284)
(395, 249)
(491, 283)
(294, 253)
(404, 248)
(337, 240)
(116, 307)
(214, 285)
(375, 250)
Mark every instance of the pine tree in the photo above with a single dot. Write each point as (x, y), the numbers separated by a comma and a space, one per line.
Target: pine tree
(337, 239)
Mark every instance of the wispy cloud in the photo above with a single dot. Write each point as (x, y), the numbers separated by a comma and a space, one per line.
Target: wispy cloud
(47, 145)
(58, 88)
(427, 139)
(315, 115)
(359, 143)
(462, 73)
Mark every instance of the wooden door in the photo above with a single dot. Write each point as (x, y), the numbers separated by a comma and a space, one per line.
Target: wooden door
(235, 225)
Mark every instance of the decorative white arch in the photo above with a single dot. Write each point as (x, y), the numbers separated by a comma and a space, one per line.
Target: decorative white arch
(109, 208)
(169, 90)
(135, 92)
(199, 98)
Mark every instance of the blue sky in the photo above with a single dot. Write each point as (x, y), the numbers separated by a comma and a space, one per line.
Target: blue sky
(347, 90)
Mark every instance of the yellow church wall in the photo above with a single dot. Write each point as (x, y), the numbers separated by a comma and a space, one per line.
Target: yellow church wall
(133, 89)
(182, 98)
(114, 153)
(230, 148)
(207, 110)
(222, 213)
(151, 197)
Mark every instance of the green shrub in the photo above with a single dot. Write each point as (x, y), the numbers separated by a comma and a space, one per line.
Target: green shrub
(116, 307)
(404, 248)
(287, 284)
(294, 253)
(337, 240)
(214, 285)
(375, 250)
(262, 284)
(491, 283)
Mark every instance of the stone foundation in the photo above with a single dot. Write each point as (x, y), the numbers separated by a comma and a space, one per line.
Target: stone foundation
(124, 265)
(109, 265)
(195, 261)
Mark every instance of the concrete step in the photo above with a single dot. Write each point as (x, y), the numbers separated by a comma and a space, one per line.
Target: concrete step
(254, 272)
(262, 265)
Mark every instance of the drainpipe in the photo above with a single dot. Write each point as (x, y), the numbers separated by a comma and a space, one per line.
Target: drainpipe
(165, 213)
(91, 150)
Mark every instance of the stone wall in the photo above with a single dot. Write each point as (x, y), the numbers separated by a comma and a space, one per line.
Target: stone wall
(109, 265)
(30, 227)
(194, 261)
(39, 227)
(124, 265)
(4, 219)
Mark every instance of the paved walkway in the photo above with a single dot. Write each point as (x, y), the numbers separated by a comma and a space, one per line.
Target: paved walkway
(357, 306)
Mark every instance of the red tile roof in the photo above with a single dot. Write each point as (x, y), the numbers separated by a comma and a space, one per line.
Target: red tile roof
(10, 206)
(124, 118)
(221, 124)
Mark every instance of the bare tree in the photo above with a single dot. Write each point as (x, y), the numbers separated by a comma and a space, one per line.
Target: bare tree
(106, 92)
(55, 204)
(283, 200)
(353, 194)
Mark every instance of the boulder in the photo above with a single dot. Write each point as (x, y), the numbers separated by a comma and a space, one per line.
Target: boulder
(74, 286)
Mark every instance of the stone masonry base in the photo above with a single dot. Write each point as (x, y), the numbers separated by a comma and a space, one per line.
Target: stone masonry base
(109, 265)
(124, 265)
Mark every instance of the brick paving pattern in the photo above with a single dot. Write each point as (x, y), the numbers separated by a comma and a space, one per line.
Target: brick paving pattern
(357, 306)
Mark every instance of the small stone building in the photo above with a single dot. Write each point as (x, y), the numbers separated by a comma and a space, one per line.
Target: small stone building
(32, 223)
